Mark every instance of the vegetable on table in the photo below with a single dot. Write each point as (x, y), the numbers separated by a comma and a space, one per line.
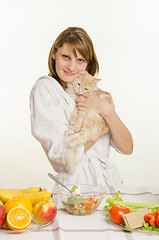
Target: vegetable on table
(150, 218)
(116, 213)
(157, 217)
(81, 206)
(133, 206)
(74, 188)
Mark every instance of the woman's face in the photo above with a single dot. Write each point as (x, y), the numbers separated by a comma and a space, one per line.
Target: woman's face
(67, 65)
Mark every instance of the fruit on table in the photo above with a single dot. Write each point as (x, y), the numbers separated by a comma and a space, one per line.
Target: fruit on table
(116, 213)
(3, 215)
(19, 201)
(44, 212)
(38, 197)
(24, 190)
(34, 197)
(18, 218)
(6, 194)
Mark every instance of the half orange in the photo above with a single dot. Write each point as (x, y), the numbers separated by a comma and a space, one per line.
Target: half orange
(18, 218)
(18, 201)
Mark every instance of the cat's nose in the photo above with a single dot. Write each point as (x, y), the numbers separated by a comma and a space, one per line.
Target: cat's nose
(79, 92)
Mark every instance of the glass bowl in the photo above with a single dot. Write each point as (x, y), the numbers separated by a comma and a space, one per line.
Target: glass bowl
(85, 199)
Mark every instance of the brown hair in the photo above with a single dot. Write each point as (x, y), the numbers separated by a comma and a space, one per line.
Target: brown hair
(81, 42)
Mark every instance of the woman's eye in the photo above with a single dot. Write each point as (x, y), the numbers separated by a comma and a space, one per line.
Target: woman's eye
(86, 89)
(65, 56)
(80, 60)
(79, 84)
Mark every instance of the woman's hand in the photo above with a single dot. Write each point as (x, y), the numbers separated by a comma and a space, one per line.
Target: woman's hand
(92, 101)
(100, 105)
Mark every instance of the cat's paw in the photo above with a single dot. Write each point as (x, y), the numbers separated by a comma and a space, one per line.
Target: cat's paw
(73, 120)
(70, 132)
(76, 128)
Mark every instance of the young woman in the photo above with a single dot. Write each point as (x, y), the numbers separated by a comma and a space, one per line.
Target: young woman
(71, 53)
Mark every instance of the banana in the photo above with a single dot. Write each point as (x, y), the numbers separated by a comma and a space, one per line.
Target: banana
(34, 194)
(38, 196)
(25, 190)
(44, 189)
(1, 203)
(5, 195)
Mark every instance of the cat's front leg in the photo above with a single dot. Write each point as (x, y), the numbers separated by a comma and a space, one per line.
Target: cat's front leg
(74, 116)
(78, 139)
(70, 131)
(78, 124)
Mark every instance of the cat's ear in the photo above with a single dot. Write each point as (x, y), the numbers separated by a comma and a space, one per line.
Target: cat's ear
(82, 73)
(96, 80)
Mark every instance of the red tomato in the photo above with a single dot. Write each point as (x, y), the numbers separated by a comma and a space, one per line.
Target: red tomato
(157, 217)
(116, 213)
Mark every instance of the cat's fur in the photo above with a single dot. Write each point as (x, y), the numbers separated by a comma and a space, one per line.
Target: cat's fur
(85, 126)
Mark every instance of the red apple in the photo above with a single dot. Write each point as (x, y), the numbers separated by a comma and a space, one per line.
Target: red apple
(3, 215)
(44, 212)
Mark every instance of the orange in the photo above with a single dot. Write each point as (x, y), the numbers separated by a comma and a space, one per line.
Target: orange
(19, 202)
(18, 218)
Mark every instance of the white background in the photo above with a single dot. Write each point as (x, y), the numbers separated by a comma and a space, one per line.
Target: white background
(125, 34)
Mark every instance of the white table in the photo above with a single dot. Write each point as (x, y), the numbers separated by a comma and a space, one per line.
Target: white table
(91, 227)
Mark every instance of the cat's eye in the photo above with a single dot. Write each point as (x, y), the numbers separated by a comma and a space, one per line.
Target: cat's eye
(79, 84)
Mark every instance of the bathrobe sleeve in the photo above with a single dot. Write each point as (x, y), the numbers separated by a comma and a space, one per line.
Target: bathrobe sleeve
(49, 122)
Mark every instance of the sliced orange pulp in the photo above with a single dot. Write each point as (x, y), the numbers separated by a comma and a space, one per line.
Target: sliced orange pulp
(18, 218)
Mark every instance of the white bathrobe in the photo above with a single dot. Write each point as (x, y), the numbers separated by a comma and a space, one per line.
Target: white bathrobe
(50, 108)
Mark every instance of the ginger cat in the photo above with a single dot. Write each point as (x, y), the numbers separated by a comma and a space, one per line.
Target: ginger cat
(86, 126)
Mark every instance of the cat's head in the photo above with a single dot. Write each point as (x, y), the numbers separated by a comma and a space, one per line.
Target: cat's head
(85, 83)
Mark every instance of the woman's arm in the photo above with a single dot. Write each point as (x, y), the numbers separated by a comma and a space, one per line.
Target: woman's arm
(121, 135)
(89, 144)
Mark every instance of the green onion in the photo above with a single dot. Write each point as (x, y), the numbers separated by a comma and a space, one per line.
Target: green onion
(74, 188)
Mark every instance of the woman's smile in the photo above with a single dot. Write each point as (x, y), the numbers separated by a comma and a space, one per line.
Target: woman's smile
(69, 73)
